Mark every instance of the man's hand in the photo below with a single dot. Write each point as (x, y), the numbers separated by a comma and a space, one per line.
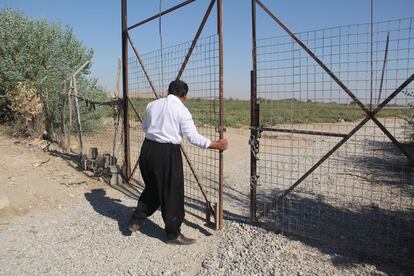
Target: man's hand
(221, 144)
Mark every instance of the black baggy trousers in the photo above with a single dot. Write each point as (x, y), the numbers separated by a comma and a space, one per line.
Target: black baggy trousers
(161, 167)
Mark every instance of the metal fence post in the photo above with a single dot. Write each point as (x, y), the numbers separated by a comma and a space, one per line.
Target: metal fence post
(254, 120)
(221, 118)
(125, 105)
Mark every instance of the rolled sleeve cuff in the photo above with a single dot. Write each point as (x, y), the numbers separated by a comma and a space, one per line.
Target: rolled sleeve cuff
(207, 143)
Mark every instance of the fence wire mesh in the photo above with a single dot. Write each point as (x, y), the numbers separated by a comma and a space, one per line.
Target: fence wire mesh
(202, 76)
(362, 195)
(100, 127)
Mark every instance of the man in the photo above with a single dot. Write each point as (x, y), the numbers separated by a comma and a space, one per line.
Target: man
(166, 122)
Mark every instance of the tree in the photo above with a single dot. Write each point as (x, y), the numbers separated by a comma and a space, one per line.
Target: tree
(40, 55)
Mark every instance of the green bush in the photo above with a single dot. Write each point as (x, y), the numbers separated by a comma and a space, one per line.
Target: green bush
(40, 54)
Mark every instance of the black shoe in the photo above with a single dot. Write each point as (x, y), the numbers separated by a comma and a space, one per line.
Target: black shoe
(180, 240)
(133, 227)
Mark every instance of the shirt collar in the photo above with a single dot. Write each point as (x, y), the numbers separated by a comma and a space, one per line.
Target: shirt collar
(175, 98)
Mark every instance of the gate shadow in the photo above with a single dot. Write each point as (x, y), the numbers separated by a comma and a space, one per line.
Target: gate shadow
(390, 168)
(350, 236)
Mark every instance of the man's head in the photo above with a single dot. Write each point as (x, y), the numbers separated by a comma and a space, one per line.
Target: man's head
(178, 88)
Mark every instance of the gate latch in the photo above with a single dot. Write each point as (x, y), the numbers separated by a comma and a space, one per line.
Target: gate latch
(253, 181)
(254, 146)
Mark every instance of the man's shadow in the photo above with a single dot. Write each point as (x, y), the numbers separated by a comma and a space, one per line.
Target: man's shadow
(112, 208)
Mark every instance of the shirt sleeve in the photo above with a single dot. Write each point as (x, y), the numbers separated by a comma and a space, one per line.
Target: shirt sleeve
(189, 131)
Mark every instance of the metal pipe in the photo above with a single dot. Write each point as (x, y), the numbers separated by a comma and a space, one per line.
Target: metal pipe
(309, 132)
(125, 88)
(195, 176)
(220, 214)
(372, 51)
(383, 67)
(254, 119)
(200, 29)
(160, 14)
(140, 120)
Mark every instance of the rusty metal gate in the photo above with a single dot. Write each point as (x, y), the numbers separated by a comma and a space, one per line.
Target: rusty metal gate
(198, 62)
(331, 141)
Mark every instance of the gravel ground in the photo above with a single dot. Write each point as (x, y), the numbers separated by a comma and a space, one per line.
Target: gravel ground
(90, 237)
(248, 250)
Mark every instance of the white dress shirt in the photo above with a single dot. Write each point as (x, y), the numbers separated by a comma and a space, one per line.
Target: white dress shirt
(167, 120)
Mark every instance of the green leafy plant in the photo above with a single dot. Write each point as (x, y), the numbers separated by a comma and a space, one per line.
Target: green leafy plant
(40, 54)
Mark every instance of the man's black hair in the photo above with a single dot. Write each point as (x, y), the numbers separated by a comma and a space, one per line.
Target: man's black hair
(178, 88)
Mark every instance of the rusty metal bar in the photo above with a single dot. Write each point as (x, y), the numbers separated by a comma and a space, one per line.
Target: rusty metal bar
(196, 177)
(308, 132)
(142, 65)
(393, 140)
(125, 88)
(317, 164)
(161, 14)
(200, 29)
(140, 120)
(383, 128)
(395, 93)
(314, 57)
(220, 214)
(371, 52)
(383, 67)
(254, 120)
(135, 111)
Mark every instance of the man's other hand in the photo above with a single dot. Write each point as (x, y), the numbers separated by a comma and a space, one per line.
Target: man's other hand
(221, 144)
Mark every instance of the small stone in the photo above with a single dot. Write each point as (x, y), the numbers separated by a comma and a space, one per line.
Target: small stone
(4, 202)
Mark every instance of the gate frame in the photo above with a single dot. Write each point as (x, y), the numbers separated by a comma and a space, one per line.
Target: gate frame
(256, 129)
(216, 211)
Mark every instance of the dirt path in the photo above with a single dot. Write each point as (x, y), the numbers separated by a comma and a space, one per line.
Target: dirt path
(35, 181)
(61, 222)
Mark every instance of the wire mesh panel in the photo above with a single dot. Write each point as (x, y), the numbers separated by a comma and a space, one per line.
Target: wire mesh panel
(202, 77)
(361, 194)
